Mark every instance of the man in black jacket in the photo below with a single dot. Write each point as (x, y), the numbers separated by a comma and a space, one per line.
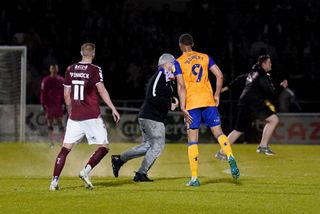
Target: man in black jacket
(254, 103)
(152, 116)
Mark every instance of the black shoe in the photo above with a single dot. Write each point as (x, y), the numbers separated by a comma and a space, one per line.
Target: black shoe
(116, 164)
(139, 177)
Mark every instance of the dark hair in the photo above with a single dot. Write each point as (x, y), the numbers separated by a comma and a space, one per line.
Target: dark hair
(263, 59)
(55, 65)
(186, 39)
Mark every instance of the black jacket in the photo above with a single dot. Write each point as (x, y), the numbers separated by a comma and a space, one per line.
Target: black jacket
(258, 87)
(160, 91)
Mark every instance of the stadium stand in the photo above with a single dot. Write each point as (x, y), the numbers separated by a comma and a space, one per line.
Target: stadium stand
(132, 34)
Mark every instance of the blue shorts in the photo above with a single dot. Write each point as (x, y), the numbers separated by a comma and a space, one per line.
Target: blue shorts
(208, 115)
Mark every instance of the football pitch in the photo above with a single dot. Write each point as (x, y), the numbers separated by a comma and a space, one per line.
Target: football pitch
(288, 182)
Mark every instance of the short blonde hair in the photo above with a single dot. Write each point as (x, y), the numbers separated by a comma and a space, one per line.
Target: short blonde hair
(88, 49)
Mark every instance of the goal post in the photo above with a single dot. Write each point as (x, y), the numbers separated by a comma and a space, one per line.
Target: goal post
(13, 59)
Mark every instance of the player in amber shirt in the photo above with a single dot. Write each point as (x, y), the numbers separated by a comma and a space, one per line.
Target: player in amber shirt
(201, 103)
(83, 83)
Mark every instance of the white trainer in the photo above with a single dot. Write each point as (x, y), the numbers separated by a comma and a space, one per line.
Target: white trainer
(53, 187)
(86, 179)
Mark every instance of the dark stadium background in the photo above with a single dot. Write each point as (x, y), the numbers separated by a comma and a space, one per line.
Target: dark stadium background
(131, 34)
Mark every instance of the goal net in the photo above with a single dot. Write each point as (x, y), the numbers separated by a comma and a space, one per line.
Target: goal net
(13, 72)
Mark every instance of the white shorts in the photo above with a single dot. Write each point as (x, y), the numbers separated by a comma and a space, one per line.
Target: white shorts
(94, 130)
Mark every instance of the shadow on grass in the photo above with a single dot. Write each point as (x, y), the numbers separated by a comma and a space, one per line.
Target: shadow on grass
(71, 187)
(221, 180)
(114, 182)
(124, 181)
(204, 181)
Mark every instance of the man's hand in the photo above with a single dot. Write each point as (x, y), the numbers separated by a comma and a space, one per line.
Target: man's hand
(68, 107)
(217, 99)
(224, 89)
(116, 116)
(187, 116)
(175, 104)
(284, 83)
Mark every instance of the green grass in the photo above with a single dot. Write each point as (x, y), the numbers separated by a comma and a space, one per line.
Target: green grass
(289, 182)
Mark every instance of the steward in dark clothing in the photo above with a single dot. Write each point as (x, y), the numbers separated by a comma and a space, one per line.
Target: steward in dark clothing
(254, 100)
(254, 104)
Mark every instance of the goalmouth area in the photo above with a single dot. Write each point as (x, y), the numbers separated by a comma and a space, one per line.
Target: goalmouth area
(13, 90)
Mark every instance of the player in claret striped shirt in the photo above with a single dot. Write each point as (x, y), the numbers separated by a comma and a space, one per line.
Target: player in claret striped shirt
(83, 83)
(51, 98)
